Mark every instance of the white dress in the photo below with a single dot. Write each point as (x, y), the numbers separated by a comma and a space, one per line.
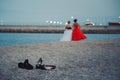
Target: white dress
(67, 36)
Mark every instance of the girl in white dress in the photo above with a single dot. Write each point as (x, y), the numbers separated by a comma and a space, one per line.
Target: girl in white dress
(67, 33)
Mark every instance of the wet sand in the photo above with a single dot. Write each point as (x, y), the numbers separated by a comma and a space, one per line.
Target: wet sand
(81, 60)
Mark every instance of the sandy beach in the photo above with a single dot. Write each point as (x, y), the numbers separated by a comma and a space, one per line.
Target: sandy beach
(81, 60)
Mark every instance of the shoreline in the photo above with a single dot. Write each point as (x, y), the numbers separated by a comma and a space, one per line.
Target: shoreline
(57, 29)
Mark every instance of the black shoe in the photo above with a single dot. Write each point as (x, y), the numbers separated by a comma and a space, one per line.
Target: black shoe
(45, 67)
(21, 65)
(25, 65)
(39, 65)
(28, 65)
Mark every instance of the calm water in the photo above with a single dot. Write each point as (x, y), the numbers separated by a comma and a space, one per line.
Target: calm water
(10, 39)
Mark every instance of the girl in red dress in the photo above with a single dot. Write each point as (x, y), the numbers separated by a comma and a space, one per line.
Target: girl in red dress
(77, 34)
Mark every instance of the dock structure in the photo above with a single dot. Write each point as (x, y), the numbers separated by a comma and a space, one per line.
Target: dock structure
(58, 29)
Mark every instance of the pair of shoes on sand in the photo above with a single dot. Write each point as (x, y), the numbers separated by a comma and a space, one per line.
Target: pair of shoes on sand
(39, 65)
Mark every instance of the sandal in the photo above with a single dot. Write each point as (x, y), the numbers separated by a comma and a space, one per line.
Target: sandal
(41, 66)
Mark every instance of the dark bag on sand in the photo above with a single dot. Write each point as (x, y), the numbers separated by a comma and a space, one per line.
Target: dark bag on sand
(25, 65)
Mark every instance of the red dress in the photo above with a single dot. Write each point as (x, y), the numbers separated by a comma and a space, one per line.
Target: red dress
(77, 34)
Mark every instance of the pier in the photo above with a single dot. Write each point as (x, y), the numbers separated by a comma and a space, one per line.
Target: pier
(57, 29)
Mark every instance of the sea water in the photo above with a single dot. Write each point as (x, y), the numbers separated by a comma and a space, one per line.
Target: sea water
(11, 39)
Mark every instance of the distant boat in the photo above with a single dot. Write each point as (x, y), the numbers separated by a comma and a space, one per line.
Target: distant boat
(114, 23)
(89, 23)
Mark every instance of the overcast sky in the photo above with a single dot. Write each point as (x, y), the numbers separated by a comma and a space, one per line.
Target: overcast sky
(38, 11)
